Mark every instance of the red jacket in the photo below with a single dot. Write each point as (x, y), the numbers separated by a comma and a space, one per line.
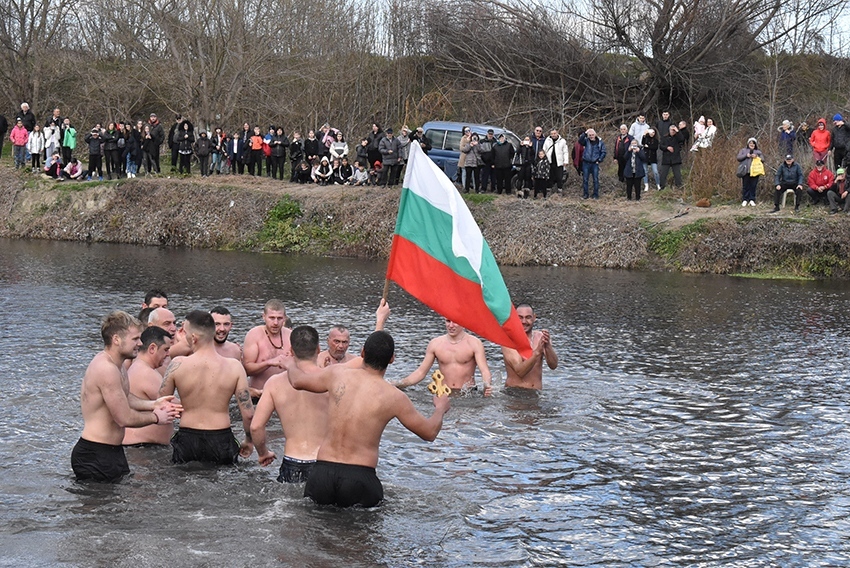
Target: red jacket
(821, 140)
(820, 178)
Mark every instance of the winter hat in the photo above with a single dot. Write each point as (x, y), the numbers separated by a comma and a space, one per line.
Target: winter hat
(837, 117)
(839, 171)
(753, 140)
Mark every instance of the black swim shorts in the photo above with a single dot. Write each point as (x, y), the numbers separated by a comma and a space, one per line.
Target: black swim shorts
(99, 462)
(295, 471)
(343, 485)
(218, 447)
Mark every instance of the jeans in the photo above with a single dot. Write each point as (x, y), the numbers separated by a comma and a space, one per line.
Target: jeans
(131, 166)
(20, 153)
(654, 167)
(590, 169)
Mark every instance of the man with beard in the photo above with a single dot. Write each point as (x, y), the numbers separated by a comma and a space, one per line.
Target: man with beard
(223, 325)
(267, 347)
(339, 339)
(145, 382)
(108, 407)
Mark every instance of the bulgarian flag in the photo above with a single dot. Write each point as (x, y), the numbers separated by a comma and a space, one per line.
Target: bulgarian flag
(440, 257)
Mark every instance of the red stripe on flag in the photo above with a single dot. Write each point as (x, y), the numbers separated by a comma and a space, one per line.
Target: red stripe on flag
(452, 296)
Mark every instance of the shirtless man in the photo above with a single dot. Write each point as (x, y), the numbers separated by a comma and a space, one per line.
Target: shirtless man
(361, 405)
(145, 382)
(108, 407)
(339, 339)
(206, 382)
(155, 299)
(266, 350)
(303, 415)
(457, 353)
(528, 373)
(164, 318)
(223, 325)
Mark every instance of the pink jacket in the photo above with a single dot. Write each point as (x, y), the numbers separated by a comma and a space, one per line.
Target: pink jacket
(19, 136)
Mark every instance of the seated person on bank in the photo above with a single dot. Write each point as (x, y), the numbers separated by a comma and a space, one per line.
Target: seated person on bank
(837, 194)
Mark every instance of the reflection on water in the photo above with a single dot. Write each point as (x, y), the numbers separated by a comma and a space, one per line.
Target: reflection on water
(693, 420)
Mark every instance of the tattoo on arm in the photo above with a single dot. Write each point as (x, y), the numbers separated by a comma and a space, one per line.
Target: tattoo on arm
(168, 372)
(243, 399)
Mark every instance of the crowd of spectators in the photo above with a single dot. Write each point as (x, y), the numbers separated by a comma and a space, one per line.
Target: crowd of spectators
(645, 155)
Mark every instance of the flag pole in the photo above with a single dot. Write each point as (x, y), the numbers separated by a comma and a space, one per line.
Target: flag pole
(386, 289)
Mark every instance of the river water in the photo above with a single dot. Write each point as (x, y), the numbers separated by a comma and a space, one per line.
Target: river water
(693, 421)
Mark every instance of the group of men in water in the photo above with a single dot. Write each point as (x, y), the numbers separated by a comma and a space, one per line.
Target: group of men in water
(333, 406)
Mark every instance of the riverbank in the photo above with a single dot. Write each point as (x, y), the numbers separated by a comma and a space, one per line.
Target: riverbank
(661, 232)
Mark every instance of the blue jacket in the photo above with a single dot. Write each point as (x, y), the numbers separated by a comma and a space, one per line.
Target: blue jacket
(594, 152)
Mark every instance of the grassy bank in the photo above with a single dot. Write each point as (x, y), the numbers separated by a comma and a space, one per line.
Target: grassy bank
(661, 232)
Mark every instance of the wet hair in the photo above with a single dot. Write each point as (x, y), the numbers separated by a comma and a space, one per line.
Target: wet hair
(378, 350)
(274, 305)
(154, 293)
(220, 310)
(202, 323)
(525, 305)
(154, 334)
(145, 315)
(304, 342)
(116, 323)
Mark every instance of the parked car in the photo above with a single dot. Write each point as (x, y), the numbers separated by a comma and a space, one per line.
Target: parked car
(445, 142)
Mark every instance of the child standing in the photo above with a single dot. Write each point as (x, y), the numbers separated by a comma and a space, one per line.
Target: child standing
(540, 174)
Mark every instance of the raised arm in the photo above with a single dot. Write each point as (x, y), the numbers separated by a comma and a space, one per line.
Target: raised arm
(549, 351)
(381, 315)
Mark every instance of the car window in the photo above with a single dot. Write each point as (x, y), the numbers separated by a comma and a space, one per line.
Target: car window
(453, 140)
(436, 137)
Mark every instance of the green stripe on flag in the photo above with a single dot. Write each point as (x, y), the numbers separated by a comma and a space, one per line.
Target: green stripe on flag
(430, 229)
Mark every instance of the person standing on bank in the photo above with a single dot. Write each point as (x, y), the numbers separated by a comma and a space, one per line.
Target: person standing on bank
(634, 170)
(671, 153)
(749, 182)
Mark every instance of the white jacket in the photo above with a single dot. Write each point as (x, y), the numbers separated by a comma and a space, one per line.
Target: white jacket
(35, 143)
(562, 153)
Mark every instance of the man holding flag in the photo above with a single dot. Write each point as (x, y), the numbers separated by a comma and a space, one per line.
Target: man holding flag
(440, 257)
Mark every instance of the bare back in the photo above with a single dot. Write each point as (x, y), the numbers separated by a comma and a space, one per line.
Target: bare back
(360, 407)
(144, 383)
(303, 417)
(206, 382)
